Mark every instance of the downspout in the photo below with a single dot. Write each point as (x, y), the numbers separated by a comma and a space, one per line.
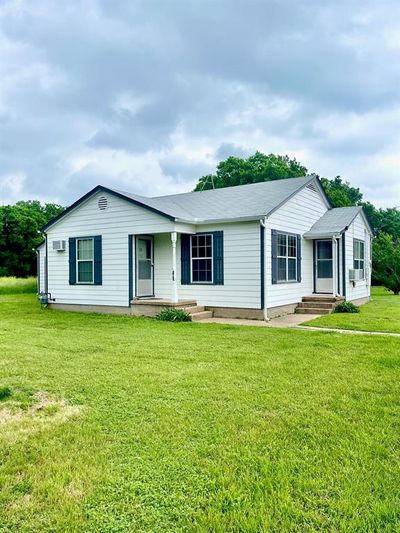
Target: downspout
(46, 276)
(263, 223)
(38, 270)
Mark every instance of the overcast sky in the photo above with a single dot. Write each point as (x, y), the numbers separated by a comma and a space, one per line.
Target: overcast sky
(147, 96)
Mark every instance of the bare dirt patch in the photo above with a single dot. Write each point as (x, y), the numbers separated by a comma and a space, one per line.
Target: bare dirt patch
(17, 421)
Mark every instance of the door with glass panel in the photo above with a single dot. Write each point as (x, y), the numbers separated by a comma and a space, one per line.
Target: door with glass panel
(144, 266)
(323, 267)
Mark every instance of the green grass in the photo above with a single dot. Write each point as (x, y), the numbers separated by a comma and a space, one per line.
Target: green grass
(121, 424)
(382, 313)
(10, 285)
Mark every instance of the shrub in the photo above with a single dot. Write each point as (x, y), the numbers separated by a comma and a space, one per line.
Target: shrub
(5, 392)
(346, 307)
(173, 314)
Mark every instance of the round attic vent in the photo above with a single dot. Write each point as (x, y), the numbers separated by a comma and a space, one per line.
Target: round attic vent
(102, 203)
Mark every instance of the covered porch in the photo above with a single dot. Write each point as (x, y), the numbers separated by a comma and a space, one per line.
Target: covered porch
(328, 265)
(154, 268)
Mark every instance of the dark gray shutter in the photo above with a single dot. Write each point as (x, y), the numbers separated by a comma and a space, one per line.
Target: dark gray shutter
(130, 268)
(185, 259)
(98, 270)
(218, 257)
(72, 260)
(298, 237)
(274, 258)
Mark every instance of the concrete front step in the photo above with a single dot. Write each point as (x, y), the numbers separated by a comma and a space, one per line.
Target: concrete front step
(318, 298)
(322, 305)
(201, 315)
(192, 309)
(313, 311)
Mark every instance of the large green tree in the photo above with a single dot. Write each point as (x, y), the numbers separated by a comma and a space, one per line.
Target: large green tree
(19, 235)
(341, 193)
(258, 167)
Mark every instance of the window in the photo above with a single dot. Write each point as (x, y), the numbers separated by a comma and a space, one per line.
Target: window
(358, 256)
(202, 258)
(286, 257)
(85, 260)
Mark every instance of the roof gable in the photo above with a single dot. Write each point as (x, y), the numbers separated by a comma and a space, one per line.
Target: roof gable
(101, 188)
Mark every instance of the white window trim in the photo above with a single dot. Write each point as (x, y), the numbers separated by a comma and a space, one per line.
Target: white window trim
(194, 258)
(287, 257)
(84, 260)
(358, 258)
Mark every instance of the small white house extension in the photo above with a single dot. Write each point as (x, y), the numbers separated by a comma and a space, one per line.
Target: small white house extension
(252, 251)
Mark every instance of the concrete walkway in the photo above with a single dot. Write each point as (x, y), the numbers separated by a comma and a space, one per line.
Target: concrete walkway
(350, 331)
(287, 321)
(294, 321)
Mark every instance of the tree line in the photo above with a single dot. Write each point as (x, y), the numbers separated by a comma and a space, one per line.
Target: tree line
(20, 235)
(20, 223)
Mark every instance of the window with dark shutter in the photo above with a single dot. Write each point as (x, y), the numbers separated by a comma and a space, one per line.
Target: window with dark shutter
(202, 258)
(85, 260)
(286, 257)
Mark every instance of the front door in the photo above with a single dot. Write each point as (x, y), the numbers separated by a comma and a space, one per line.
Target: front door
(144, 266)
(323, 267)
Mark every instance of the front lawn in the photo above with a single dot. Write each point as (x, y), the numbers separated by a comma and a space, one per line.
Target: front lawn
(382, 313)
(120, 424)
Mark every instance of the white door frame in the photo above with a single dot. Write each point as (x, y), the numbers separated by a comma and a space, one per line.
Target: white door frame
(144, 288)
(323, 285)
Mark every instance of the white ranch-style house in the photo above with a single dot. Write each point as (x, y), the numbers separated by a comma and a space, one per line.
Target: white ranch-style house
(252, 251)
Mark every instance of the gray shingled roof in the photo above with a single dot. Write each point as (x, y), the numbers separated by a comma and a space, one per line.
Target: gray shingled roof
(333, 222)
(231, 203)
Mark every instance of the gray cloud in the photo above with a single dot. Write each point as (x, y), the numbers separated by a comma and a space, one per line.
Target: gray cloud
(149, 95)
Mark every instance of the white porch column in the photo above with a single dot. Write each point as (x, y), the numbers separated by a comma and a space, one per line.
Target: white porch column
(334, 266)
(174, 295)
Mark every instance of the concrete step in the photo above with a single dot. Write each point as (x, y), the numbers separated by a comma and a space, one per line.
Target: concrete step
(330, 299)
(194, 309)
(312, 311)
(201, 315)
(322, 305)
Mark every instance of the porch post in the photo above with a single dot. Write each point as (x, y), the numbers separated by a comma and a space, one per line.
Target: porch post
(174, 295)
(334, 266)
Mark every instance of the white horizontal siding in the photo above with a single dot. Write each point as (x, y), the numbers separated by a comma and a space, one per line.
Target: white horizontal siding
(357, 230)
(242, 273)
(296, 216)
(114, 224)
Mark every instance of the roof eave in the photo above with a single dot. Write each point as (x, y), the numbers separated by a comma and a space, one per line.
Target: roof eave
(324, 235)
(197, 222)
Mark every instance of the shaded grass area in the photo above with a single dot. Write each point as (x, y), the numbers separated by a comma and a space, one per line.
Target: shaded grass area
(382, 313)
(198, 427)
(10, 285)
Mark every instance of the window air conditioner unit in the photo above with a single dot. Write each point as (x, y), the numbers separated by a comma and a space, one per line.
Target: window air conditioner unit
(355, 274)
(59, 246)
